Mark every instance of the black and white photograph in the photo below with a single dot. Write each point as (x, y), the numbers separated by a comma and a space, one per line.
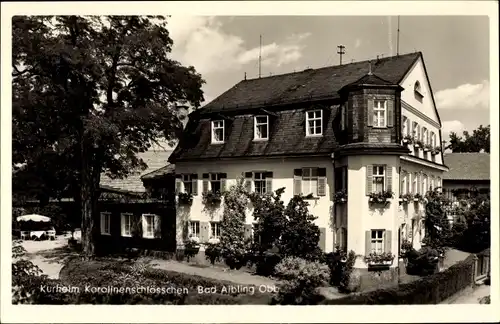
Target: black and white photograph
(172, 158)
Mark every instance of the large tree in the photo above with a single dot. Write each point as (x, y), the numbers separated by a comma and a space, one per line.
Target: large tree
(477, 142)
(89, 94)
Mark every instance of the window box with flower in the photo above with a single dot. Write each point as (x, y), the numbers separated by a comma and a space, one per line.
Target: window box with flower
(436, 150)
(418, 144)
(418, 198)
(406, 198)
(212, 199)
(379, 259)
(341, 196)
(185, 198)
(381, 197)
(427, 148)
(407, 139)
(191, 247)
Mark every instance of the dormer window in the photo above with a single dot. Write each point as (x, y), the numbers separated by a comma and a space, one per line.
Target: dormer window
(314, 122)
(380, 113)
(261, 127)
(217, 131)
(418, 90)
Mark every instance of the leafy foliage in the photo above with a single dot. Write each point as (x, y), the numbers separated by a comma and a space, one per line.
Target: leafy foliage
(437, 225)
(348, 281)
(381, 197)
(211, 199)
(89, 94)
(479, 141)
(232, 236)
(213, 252)
(185, 198)
(301, 281)
(300, 236)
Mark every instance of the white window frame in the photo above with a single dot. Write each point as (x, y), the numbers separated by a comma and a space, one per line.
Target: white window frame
(433, 139)
(194, 231)
(124, 217)
(314, 120)
(425, 184)
(405, 125)
(311, 177)
(145, 233)
(414, 185)
(261, 179)
(258, 124)
(107, 220)
(215, 177)
(431, 183)
(416, 131)
(404, 183)
(216, 226)
(217, 125)
(376, 175)
(376, 241)
(379, 110)
(187, 178)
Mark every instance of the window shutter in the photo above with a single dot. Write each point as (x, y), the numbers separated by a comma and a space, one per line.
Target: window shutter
(123, 219)
(387, 241)
(144, 225)
(388, 178)
(368, 242)
(194, 185)
(103, 219)
(204, 232)
(178, 183)
(248, 181)
(223, 182)
(408, 182)
(157, 226)
(269, 182)
(205, 182)
(419, 183)
(369, 179)
(370, 112)
(297, 182)
(322, 238)
(321, 181)
(390, 113)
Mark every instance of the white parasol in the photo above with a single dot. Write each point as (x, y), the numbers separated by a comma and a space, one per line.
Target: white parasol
(34, 218)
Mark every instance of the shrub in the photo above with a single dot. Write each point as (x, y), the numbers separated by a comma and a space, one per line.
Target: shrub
(25, 276)
(232, 238)
(300, 237)
(348, 282)
(302, 279)
(213, 252)
(428, 290)
(437, 226)
(423, 262)
(191, 249)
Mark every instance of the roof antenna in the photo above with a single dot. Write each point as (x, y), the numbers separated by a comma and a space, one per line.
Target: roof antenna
(245, 75)
(260, 56)
(341, 52)
(370, 68)
(397, 42)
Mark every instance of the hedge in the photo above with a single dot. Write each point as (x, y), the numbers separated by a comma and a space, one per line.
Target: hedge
(432, 289)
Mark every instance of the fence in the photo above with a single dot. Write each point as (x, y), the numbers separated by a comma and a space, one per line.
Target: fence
(482, 267)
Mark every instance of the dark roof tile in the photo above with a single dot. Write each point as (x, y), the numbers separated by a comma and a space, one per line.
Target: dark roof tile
(467, 166)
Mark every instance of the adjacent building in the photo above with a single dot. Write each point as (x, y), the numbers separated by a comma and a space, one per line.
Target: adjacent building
(363, 138)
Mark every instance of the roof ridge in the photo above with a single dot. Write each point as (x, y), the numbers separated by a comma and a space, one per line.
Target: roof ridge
(329, 67)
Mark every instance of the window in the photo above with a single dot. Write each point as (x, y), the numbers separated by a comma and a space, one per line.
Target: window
(149, 225)
(106, 223)
(314, 123)
(424, 136)
(309, 181)
(215, 182)
(377, 242)
(218, 131)
(340, 178)
(431, 184)
(378, 178)
(404, 180)
(188, 183)
(433, 139)
(416, 131)
(414, 188)
(417, 87)
(126, 224)
(214, 230)
(379, 113)
(439, 184)
(261, 127)
(343, 117)
(194, 229)
(424, 185)
(259, 181)
(405, 126)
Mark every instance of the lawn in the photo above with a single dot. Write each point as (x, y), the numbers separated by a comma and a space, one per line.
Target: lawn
(121, 281)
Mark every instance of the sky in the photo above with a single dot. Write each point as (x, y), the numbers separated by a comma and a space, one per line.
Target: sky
(455, 50)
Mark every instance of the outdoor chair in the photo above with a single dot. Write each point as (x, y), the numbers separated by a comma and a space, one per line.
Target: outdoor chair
(51, 234)
(25, 235)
